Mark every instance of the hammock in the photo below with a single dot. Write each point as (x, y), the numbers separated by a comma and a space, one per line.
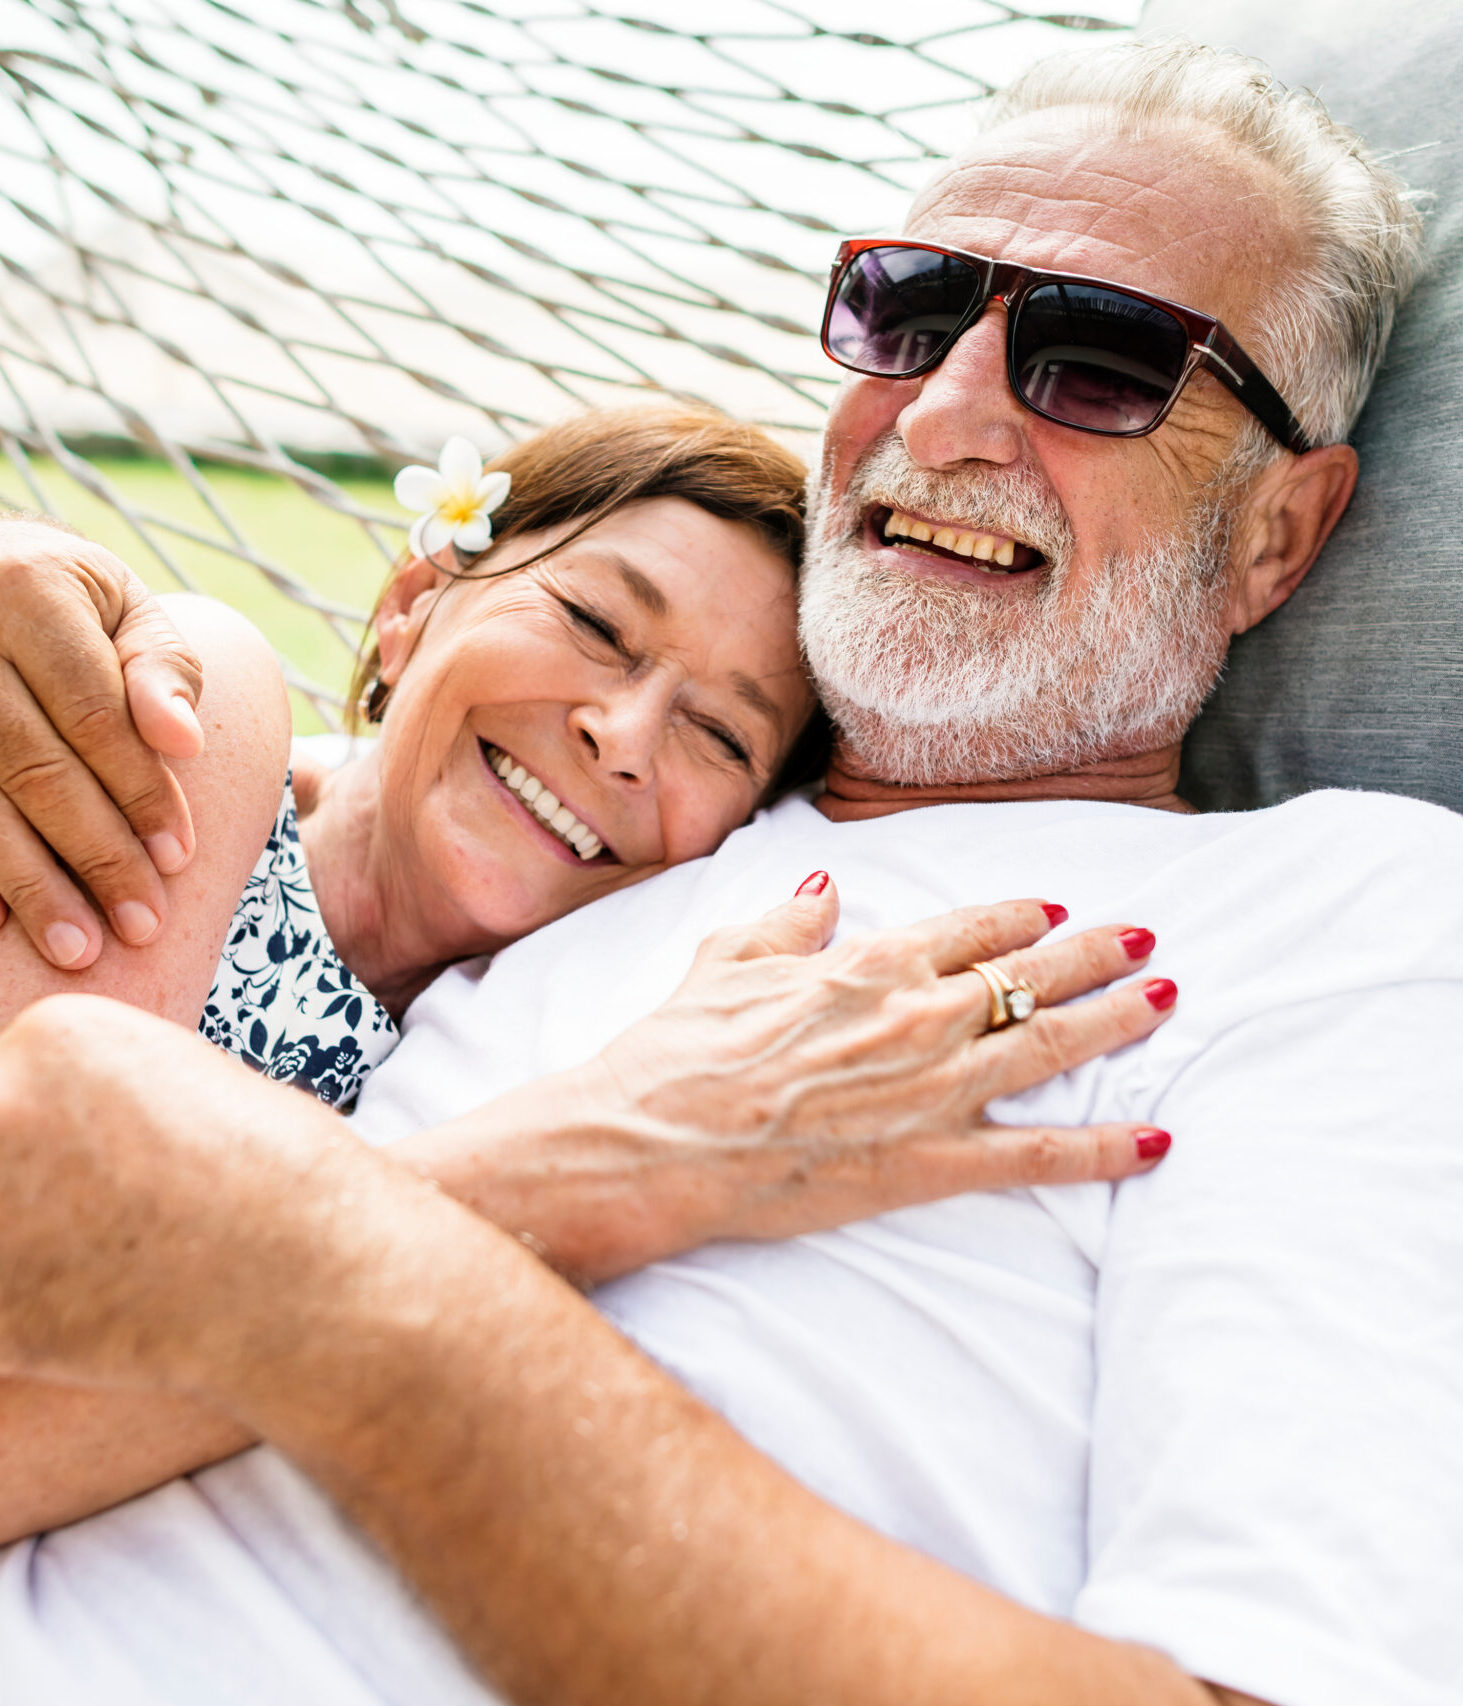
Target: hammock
(290, 244)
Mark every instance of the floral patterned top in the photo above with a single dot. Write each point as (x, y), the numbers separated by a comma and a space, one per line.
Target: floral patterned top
(282, 999)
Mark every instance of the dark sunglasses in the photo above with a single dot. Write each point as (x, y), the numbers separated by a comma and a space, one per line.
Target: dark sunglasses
(1080, 351)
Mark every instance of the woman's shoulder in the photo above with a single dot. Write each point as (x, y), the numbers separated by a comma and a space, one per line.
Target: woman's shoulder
(234, 785)
(244, 707)
(283, 1001)
(233, 789)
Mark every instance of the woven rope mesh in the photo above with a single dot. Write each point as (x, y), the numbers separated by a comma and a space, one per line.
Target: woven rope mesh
(255, 254)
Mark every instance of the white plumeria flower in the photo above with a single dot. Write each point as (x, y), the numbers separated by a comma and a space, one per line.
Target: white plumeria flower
(455, 500)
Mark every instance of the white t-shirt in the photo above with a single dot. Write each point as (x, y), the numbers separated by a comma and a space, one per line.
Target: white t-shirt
(1218, 1410)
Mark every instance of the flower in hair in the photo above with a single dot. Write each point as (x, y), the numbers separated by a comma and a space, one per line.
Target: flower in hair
(454, 501)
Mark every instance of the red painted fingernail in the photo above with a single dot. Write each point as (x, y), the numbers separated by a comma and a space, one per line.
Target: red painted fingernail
(1161, 993)
(1137, 944)
(814, 884)
(1153, 1143)
(1055, 914)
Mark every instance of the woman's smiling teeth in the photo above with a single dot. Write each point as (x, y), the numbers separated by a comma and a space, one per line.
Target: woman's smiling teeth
(991, 552)
(544, 805)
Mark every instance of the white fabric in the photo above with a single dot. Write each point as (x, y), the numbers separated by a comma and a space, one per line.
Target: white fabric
(1219, 1410)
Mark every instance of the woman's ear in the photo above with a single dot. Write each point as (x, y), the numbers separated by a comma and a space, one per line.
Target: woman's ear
(402, 614)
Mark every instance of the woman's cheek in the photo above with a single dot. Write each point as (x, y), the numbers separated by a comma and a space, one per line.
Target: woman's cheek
(703, 813)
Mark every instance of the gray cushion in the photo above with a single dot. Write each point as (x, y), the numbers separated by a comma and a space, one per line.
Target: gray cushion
(1358, 680)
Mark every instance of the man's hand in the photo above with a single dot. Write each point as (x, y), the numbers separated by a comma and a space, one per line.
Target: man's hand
(96, 689)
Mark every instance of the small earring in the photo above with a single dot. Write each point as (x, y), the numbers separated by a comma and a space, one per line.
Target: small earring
(372, 703)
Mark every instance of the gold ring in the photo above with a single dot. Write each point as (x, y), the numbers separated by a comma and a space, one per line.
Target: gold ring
(1010, 1002)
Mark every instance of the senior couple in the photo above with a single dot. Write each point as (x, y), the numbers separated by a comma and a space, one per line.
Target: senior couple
(1197, 1437)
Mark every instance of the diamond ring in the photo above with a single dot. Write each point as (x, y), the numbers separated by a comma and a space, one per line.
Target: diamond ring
(1010, 1002)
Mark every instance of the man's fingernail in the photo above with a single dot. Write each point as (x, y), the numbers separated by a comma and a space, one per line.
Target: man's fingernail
(1161, 993)
(65, 944)
(814, 884)
(184, 712)
(1055, 914)
(1153, 1143)
(166, 852)
(1137, 944)
(134, 922)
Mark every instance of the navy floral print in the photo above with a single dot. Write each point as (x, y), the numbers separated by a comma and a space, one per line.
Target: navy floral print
(282, 1000)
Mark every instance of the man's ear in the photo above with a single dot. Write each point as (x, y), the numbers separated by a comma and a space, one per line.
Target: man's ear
(403, 612)
(1289, 512)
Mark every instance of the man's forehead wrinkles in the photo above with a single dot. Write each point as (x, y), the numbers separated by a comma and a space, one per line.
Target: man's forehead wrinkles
(1204, 268)
(1121, 217)
(1124, 218)
(1090, 202)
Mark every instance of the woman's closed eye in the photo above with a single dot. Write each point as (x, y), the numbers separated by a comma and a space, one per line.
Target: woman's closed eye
(603, 629)
(593, 623)
(728, 742)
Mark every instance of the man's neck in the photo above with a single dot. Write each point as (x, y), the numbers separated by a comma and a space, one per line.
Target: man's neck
(1146, 779)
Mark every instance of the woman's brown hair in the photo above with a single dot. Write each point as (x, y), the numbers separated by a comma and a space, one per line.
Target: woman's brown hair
(576, 473)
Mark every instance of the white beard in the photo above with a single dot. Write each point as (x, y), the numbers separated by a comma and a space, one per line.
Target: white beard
(933, 681)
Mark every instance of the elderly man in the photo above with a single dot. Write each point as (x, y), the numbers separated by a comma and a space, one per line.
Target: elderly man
(1197, 1439)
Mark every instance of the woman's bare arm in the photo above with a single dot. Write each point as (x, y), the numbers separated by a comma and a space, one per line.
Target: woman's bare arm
(67, 1451)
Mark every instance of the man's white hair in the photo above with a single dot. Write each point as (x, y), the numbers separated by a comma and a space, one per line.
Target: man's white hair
(931, 682)
(1325, 330)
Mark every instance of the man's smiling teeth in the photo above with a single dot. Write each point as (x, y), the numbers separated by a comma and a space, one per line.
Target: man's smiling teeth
(989, 550)
(544, 805)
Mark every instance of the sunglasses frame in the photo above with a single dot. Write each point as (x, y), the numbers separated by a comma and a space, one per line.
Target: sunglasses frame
(1211, 345)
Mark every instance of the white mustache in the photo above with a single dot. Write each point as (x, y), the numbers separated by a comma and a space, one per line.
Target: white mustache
(1015, 502)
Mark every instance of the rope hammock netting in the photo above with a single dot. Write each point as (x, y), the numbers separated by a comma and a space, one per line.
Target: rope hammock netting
(261, 246)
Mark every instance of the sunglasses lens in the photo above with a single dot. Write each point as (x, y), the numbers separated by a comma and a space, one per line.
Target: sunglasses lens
(1095, 358)
(891, 309)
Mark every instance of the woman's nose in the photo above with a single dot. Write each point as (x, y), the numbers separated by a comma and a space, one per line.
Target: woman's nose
(965, 410)
(623, 732)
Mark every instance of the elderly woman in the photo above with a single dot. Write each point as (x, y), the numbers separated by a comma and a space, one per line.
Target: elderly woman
(609, 690)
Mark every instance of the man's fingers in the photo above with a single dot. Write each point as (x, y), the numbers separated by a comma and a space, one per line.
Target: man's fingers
(163, 677)
(70, 714)
(801, 925)
(47, 905)
(47, 785)
(65, 601)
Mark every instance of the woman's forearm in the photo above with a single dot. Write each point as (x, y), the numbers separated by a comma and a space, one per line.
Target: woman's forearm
(571, 1168)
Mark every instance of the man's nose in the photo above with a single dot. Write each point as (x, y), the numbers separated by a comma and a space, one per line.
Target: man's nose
(623, 731)
(965, 410)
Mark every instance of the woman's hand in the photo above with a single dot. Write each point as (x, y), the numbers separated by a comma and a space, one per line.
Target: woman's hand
(96, 686)
(788, 1086)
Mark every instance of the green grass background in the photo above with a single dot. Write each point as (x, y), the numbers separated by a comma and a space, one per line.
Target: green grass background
(327, 550)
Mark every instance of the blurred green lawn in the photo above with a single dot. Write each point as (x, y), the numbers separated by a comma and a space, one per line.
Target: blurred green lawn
(317, 545)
